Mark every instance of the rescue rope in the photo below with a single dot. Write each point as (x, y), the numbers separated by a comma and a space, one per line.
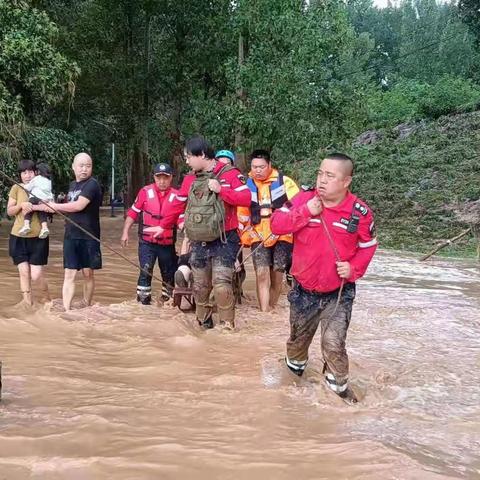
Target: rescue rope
(68, 219)
(338, 259)
(220, 212)
(252, 251)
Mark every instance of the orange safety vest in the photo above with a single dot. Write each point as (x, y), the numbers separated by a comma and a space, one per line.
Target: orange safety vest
(267, 196)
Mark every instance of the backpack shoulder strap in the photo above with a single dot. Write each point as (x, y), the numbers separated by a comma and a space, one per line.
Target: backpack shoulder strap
(224, 169)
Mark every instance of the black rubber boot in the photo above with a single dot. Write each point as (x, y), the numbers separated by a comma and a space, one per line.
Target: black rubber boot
(348, 396)
(144, 300)
(207, 324)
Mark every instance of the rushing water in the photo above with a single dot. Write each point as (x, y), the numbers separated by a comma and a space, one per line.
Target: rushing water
(123, 391)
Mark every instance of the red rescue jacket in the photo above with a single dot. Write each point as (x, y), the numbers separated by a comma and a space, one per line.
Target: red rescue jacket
(234, 193)
(314, 261)
(148, 209)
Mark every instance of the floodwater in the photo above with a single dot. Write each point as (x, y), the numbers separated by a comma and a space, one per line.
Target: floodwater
(123, 391)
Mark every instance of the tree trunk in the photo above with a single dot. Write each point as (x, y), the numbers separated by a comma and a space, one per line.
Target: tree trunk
(241, 160)
(140, 169)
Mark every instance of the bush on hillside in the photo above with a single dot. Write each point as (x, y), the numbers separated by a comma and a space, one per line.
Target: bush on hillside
(397, 105)
(449, 95)
(413, 183)
(412, 100)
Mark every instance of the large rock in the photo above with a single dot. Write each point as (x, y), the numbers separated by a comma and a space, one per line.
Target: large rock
(368, 138)
(404, 130)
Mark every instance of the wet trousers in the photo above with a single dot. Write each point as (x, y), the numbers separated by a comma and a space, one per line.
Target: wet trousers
(308, 311)
(148, 255)
(212, 266)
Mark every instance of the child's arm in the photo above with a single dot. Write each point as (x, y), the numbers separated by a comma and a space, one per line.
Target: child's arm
(30, 185)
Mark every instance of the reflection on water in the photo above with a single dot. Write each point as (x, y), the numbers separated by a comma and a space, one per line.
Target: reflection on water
(124, 391)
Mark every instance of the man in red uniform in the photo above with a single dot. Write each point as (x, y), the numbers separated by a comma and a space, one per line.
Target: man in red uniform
(334, 242)
(148, 210)
(212, 261)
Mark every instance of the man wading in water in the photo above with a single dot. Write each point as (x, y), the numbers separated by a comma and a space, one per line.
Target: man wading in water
(209, 197)
(80, 251)
(334, 242)
(271, 255)
(148, 211)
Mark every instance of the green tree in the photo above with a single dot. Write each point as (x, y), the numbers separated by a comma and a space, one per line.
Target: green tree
(147, 69)
(298, 91)
(470, 13)
(34, 77)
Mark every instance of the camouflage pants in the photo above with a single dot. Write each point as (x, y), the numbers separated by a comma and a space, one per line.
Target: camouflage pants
(308, 310)
(212, 266)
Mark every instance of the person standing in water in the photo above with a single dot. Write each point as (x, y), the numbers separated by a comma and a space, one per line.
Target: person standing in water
(272, 254)
(334, 242)
(209, 197)
(148, 211)
(80, 250)
(29, 252)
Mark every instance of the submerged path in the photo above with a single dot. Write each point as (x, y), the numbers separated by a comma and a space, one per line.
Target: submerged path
(123, 391)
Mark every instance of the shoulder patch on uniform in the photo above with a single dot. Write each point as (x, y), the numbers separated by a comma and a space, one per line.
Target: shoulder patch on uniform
(242, 178)
(307, 188)
(363, 210)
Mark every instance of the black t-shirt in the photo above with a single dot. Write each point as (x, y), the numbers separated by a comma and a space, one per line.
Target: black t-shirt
(89, 217)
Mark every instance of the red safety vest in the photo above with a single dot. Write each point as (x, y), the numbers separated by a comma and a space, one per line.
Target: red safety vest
(152, 213)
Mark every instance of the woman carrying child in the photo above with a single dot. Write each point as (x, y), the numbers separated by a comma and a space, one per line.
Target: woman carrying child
(40, 188)
(29, 252)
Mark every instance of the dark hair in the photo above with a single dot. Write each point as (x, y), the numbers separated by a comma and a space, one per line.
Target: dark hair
(24, 165)
(44, 170)
(260, 153)
(342, 158)
(197, 146)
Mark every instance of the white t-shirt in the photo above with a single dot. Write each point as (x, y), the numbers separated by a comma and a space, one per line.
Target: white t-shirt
(41, 187)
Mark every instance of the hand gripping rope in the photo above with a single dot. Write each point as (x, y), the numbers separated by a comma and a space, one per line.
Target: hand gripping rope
(68, 219)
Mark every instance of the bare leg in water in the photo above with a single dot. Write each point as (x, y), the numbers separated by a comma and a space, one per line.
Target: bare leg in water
(68, 290)
(276, 284)
(88, 285)
(38, 277)
(25, 282)
(263, 287)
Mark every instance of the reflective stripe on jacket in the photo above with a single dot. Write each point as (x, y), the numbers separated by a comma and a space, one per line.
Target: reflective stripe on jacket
(148, 210)
(266, 197)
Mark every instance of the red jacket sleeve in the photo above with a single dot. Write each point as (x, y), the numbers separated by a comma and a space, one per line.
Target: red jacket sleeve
(166, 206)
(293, 216)
(175, 205)
(367, 244)
(138, 205)
(234, 189)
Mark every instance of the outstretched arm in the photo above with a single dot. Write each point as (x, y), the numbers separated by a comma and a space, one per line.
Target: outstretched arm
(70, 207)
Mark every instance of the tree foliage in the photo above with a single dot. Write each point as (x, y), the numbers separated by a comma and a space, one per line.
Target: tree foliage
(34, 77)
(294, 76)
(470, 12)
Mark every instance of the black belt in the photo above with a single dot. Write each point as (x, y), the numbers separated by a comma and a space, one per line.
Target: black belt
(322, 294)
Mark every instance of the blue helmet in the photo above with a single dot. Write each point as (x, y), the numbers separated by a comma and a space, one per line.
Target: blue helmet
(227, 154)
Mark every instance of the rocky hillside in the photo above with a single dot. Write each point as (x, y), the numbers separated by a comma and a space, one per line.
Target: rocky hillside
(422, 180)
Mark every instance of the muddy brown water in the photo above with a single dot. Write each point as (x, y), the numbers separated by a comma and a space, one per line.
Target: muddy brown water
(123, 391)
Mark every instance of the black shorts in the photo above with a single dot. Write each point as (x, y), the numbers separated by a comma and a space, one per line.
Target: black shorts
(32, 250)
(279, 256)
(81, 253)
